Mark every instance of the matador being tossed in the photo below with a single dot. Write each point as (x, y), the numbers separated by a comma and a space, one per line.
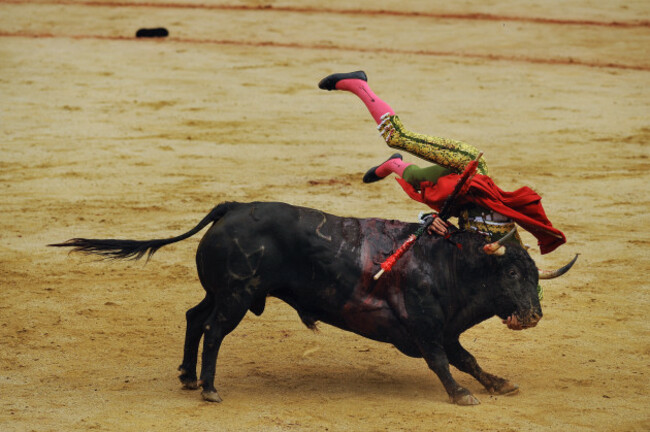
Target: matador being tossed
(485, 208)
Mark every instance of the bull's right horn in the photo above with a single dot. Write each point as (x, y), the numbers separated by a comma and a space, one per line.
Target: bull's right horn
(552, 274)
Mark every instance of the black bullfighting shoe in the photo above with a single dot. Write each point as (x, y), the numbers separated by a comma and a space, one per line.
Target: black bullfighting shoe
(371, 175)
(329, 82)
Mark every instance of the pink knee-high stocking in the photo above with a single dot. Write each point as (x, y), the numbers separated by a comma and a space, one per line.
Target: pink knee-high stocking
(376, 106)
(395, 165)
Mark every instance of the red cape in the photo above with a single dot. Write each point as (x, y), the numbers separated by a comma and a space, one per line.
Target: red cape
(524, 205)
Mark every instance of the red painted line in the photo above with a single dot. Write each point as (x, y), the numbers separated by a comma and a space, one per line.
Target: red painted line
(383, 50)
(311, 10)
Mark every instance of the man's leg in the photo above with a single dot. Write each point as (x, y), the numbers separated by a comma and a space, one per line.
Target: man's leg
(448, 153)
(451, 154)
(356, 83)
(408, 171)
(393, 164)
(416, 175)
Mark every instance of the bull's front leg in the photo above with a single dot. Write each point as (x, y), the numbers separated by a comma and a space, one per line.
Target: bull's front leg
(436, 359)
(426, 326)
(464, 361)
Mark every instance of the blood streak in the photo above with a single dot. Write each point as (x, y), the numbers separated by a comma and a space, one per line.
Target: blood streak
(377, 305)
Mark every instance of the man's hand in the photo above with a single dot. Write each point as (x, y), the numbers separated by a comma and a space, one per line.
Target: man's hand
(438, 226)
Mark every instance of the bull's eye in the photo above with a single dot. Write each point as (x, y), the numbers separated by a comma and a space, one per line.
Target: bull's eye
(512, 273)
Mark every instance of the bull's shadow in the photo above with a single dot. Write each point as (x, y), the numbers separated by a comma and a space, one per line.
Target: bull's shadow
(283, 377)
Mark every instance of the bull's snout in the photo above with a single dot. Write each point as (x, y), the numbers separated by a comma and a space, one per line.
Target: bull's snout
(530, 320)
(517, 322)
(534, 319)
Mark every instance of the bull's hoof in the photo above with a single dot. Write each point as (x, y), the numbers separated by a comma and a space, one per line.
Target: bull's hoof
(506, 389)
(211, 396)
(190, 385)
(466, 400)
(189, 381)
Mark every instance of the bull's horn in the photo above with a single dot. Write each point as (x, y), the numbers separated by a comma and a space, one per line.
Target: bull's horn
(552, 274)
(497, 248)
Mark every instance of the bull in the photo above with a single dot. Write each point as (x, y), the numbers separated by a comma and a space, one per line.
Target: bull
(322, 265)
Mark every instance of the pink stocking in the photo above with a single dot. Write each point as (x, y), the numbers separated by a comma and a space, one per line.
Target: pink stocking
(376, 106)
(395, 165)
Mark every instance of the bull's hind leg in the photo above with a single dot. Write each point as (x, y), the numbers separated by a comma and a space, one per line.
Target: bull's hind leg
(225, 317)
(464, 361)
(196, 318)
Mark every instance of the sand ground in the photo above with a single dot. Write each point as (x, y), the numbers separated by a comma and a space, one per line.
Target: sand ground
(102, 135)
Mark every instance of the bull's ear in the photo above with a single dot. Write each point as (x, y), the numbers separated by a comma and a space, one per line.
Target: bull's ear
(497, 247)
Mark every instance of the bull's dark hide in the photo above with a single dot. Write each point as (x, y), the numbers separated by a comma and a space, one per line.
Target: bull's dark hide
(322, 265)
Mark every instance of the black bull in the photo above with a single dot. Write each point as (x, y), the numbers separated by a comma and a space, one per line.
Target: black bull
(323, 265)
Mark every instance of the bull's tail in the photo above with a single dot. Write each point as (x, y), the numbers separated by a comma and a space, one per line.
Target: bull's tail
(136, 249)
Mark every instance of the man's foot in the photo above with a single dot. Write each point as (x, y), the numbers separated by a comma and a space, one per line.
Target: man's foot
(330, 81)
(371, 175)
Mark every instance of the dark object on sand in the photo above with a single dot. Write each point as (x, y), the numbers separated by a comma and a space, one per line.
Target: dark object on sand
(152, 32)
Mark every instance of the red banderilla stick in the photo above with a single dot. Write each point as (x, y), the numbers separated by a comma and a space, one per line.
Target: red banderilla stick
(391, 260)
(467, 175)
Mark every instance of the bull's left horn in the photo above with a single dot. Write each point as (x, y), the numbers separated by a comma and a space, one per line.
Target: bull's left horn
(552, 274)
(497, 248)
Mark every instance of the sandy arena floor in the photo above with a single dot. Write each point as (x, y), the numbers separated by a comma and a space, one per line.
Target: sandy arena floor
(106, 136)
